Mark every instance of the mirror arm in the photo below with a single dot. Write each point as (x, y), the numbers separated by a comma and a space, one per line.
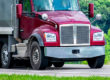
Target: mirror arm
(93, 21)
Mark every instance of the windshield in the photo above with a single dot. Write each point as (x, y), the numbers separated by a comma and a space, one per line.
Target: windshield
(55, 5)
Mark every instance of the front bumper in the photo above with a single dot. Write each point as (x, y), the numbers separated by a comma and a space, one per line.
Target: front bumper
(67, 52)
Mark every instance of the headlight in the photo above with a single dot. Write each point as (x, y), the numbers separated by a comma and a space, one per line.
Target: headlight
(98, 36)
(50, 37)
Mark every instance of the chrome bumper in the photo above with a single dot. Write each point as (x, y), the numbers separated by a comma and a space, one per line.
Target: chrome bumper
(66, 52)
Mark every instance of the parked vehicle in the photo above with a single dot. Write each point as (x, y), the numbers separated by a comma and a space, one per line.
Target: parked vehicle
(48, 32)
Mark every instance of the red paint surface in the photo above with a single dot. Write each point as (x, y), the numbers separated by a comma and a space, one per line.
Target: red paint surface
(96, 43)
(48, 29)
(91, 10)
(19, 10)
(28, 24)
(35, 25)
(32, 7)
(67, 17)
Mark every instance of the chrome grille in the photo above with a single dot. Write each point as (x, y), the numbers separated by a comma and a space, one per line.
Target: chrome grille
(82, 34)
(67, 35)
(75, 34)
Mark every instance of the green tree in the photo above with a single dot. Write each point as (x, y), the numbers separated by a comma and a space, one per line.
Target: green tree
(107, 47)
(102, 7)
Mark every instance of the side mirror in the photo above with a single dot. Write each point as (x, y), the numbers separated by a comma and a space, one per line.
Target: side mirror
(91, 10)
(19, 10)
(98, 17)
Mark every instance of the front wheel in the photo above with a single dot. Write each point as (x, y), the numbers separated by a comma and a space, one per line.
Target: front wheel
(97, 62)
(37, 58)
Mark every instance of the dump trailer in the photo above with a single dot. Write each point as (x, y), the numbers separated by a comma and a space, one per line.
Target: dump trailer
(49, 32)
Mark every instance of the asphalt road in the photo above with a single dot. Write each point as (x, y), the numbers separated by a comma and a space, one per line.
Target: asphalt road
(67, 70)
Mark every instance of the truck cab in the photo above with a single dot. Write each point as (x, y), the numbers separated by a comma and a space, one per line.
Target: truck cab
(52, 32)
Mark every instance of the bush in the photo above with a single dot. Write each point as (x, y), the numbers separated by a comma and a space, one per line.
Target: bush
(107, 47)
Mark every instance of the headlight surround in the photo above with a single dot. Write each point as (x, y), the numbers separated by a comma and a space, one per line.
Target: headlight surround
(98, 36)
(50, 37)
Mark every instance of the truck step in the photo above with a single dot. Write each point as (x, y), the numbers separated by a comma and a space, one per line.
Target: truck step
(20, 49)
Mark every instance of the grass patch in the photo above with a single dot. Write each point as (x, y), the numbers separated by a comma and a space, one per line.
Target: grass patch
(29, 77)
(77, 62)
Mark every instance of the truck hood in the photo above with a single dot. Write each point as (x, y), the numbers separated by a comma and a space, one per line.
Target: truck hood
(65, 17)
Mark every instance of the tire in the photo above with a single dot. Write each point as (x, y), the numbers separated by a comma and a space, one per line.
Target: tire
(6, 57)
(58, 64)
(97, 62)
(37, 59)
(0, 54)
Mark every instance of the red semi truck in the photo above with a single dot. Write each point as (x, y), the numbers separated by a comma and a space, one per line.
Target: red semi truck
(47, 32)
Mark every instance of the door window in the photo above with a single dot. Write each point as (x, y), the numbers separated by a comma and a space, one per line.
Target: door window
(26, 6)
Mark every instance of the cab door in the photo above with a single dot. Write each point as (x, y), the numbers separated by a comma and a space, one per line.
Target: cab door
(27, 20)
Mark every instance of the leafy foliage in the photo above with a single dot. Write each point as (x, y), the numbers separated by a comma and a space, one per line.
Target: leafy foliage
(102, 7)
(107, 47)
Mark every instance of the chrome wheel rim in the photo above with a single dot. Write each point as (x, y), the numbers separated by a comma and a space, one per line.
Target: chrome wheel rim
(36, 56)
(5, 57)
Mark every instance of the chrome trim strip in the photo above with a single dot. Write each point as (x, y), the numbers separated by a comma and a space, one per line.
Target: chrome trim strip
(75, 36)
(75, 33)
(6, 30)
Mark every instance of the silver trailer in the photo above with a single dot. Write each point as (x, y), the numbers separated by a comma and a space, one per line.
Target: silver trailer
(9, 30)
(8, 20)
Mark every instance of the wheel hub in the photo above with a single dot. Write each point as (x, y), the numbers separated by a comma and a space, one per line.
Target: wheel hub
(36, 56)
(5, 57)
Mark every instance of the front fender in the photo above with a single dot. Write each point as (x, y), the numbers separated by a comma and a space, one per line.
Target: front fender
(96, 43)
(40, 35)
(36, 36)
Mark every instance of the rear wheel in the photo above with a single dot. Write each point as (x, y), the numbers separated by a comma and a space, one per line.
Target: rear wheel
(97, 62)
(37, 59)
(0, 54)
(58, 64)
(6, 57)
